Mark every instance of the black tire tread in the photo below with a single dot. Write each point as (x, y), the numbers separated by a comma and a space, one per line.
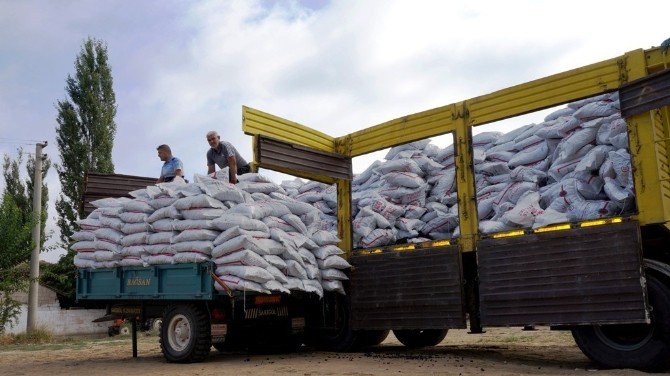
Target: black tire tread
(417, 338)
(370, 338)
(203, 341)
(654, 357)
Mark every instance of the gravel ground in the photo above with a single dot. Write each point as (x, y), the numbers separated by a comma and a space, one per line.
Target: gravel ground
(500, 351)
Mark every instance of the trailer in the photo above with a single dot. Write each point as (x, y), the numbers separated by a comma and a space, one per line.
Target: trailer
(605, 280)
(195, 315)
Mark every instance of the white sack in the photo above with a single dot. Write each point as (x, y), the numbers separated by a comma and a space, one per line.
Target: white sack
(238, 284)
(334, 286)
(133, 228)
(378, 237)
(163, 225)
(237, 220)
(134, 251)
(326, 251)
(333, 262)
(333, 274)
(198, 201)
(164, 237)
(194, 235)
(206, 213)
(234, 232)
(137, 206)
(134, 239)
(199, 246)
(524, 212)
(186, 257)
(132, 217)
(250, 273)
(188, 224)
(275, 261)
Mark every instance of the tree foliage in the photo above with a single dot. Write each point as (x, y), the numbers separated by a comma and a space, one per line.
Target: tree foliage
(15, 250)
(86, 130)
(22, 190)
(16, 222)
(85, 138)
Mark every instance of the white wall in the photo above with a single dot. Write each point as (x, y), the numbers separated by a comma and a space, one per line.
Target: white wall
(62, 322)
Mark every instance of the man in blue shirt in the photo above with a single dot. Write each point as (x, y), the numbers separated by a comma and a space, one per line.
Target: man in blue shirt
(172, 166)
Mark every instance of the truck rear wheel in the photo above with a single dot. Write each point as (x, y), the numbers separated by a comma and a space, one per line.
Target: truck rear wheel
(370, 338)
(339, 337)
(185, 334)
(420, 338)
(640, 346)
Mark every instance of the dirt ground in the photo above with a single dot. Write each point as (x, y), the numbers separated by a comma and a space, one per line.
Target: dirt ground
(508, 351)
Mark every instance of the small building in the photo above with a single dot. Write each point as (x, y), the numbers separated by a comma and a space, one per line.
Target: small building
(58, 321)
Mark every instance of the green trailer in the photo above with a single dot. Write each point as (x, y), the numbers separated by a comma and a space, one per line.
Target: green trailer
(195, 315)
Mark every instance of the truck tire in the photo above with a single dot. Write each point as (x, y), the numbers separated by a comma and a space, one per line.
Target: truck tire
(415, 338)
(343, 338)
(185, 335)
(641, 346)
(370, 338)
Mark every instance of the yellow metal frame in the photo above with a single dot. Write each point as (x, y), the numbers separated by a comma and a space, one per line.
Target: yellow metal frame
(259, 123)
(649, 133)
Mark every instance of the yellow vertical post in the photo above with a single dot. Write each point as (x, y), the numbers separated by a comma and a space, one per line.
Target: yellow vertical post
(344, 215)
(648, 133)
(465, 179)
(256, 153)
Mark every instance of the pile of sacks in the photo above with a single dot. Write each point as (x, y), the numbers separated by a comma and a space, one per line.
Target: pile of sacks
(259, 238)
(573, 166)
(266, 237)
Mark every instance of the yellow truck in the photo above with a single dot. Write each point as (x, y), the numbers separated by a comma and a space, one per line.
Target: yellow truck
(606, 280)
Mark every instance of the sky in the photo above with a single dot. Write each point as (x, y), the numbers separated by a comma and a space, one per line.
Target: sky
(182, 68)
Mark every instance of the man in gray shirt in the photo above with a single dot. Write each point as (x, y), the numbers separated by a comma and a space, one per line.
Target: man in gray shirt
(224, 154)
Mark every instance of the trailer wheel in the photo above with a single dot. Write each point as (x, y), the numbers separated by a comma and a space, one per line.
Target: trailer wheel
(185, 334)
(370, 338)
(640, 346)
(415, 338)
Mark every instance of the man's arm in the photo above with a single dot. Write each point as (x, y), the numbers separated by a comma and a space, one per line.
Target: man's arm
(232, 170)
(210, 164)
(160, 180)
(178, 168)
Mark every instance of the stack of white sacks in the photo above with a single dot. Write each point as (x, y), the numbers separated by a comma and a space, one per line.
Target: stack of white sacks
(573, 166)
(267, 237)
(259, 238)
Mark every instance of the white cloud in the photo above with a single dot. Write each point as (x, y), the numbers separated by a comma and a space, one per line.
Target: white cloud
(183, 68)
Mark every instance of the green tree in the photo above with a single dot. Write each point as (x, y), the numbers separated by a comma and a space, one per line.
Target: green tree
(22, 190)
(85, 138)
(16, 222)
(86, 130)
(15, 250)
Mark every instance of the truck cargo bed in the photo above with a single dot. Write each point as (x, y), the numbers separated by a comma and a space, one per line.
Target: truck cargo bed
(191, 281)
